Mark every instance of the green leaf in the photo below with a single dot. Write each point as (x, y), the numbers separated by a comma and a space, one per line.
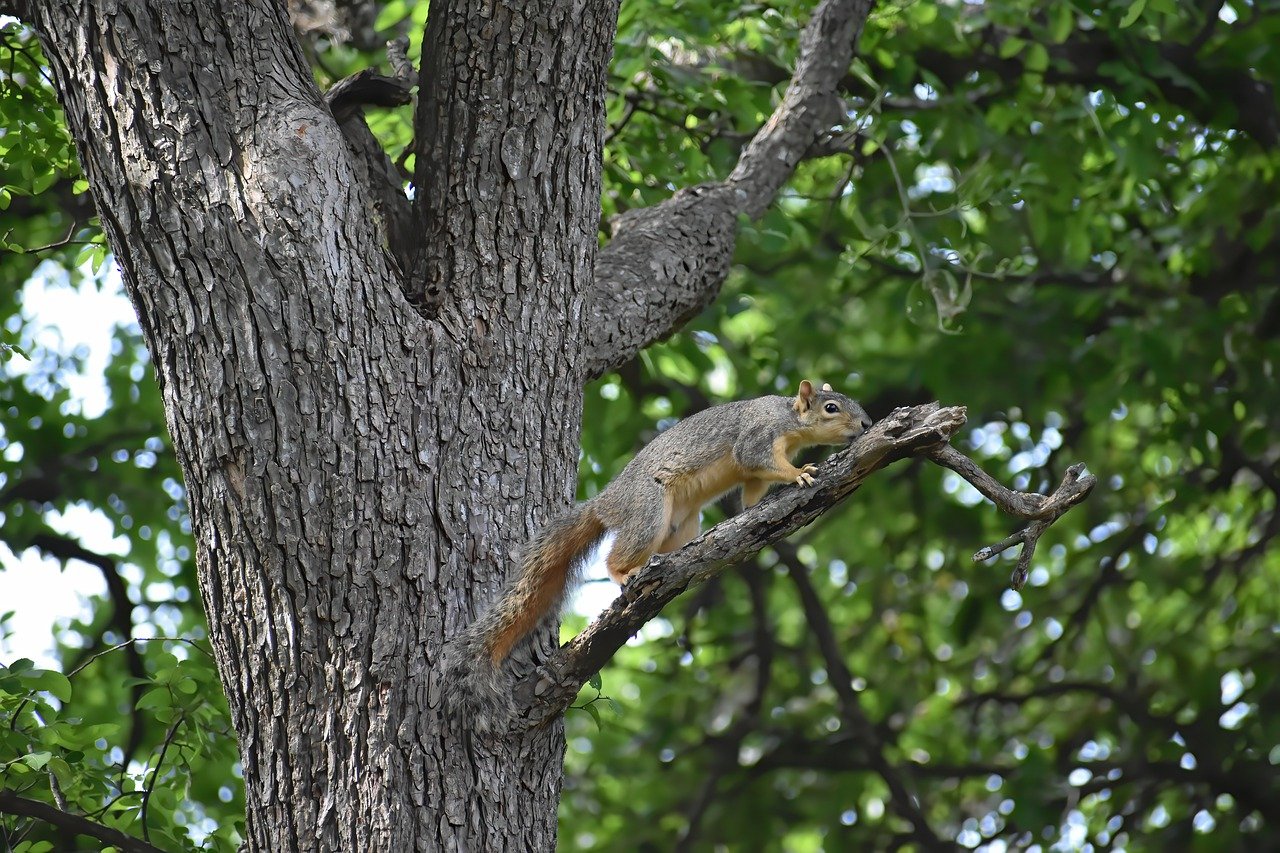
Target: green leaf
(595, 681)
(48, 680)
(1132, 15)
(158, 697)
(1011, 47)
(1062, 21)
(37, 760)
(1037, 58)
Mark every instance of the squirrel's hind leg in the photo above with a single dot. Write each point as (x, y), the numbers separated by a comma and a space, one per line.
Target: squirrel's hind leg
(646, 526)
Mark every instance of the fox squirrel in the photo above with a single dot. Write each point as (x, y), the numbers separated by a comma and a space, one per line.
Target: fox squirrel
(652, 506)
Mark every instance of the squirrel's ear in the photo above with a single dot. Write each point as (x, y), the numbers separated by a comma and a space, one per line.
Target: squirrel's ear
(805, 398)
(826, 386)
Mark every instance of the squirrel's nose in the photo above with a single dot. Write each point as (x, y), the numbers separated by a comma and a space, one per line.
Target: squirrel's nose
(866, 424)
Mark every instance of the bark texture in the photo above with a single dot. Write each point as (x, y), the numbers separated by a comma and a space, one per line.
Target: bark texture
(359, 475)
(374, 407)
(667, 262)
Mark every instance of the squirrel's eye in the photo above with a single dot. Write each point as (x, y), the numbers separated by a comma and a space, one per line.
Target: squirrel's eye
(831, 408)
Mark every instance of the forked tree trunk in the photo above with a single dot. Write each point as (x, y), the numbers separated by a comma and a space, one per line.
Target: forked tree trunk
(361, 468)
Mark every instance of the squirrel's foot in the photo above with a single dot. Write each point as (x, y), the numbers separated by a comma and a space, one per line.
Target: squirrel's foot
(805, 477)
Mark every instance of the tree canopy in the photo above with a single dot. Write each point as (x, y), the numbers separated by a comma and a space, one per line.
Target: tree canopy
(1061, 216)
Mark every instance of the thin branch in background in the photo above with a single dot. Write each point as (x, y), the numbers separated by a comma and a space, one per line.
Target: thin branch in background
(121, 619)
(129, 642)
(155, 774)
(65, 241)
(860, 726)
(11, 803)
(59, 799)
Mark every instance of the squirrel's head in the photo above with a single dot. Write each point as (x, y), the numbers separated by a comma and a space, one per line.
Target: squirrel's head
(827, 416)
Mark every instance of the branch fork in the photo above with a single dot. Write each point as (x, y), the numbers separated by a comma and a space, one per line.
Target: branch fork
(906, 432)
(1040, 509)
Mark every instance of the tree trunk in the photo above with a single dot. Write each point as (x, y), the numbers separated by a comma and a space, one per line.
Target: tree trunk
(362, 466)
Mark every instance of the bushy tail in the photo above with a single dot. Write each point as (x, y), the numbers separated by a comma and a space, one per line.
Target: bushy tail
(474, 681)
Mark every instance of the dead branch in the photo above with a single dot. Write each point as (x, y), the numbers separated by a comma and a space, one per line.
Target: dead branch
(1041, 510)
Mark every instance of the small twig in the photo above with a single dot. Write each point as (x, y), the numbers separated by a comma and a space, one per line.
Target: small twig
(1042, 511)
(65, 241)
(54, 788)
(398, 59)
(195, 645)
(155, 774)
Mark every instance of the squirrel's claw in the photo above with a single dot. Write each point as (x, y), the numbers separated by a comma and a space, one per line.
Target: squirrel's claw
(805, 478)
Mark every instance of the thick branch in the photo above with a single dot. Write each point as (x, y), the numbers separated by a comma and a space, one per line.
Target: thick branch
(346, 100)
(903, 433)
(366, 88)
(11, 803)
(666, 263)
(919, 430)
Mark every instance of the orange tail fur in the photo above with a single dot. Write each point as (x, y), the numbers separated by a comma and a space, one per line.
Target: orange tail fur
(474, 682)
(544, 575)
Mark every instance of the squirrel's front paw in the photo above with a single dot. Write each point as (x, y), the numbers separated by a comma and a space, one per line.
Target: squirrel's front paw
(805, 477)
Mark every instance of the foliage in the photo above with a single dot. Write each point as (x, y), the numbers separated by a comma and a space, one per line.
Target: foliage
(1061, 216)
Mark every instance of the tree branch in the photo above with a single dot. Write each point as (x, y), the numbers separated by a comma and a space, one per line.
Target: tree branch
(665, 263)
(551, 688)
(1042, 511)
(385, 184)
(365, 88)
(918, 430)
(11, 803)
(902, 799)
(65, 548)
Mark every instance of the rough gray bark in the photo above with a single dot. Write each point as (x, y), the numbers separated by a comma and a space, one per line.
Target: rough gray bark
(666, 263)
(367, 443)
(359, 476)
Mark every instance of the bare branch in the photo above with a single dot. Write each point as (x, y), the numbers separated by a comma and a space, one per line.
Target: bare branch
(385, 184)
(550, 689)
(666, 263)
(155, 774)
(918, 430)
(1041, 510)
(11, 803)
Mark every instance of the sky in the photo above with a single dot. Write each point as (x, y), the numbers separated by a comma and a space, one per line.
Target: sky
(41, 591)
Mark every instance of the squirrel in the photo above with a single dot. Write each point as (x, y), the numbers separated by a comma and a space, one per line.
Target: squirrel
(652, 506)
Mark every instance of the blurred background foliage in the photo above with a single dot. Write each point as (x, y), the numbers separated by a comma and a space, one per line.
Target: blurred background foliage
(1061, 215)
